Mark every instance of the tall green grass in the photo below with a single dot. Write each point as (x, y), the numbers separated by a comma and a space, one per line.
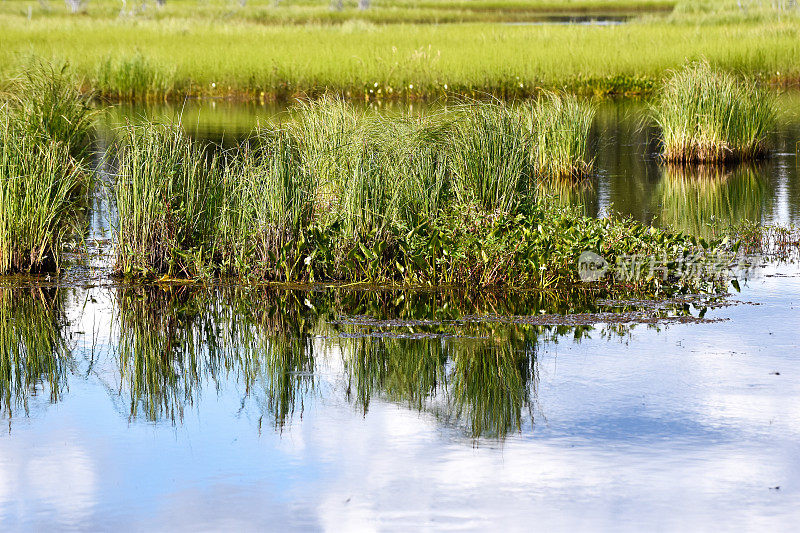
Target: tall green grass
(269, 199)
(132, 78)
(228, 55)
(168, 192)
(491, 157)
(40, 198)
(334, 193)
(559, 129)
(707, 116)
(46, 104)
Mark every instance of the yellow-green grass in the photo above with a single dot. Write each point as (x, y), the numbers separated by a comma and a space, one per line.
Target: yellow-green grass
(709, 116)
(140, 58)
(337, 12)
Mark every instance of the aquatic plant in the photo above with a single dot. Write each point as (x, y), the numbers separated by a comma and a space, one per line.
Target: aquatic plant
(558, 126)
(40, 185)
(709, 116)
(337, 194)
(418, 161)
(168, 191)
(134, 78)
(490, 158)
(269, 200)
(45, 104)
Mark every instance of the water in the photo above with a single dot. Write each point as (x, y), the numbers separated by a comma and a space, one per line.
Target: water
(342, 409)
(185, 407)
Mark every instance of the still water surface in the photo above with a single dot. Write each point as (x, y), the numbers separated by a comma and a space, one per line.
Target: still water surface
(192, 408)
(185, 408)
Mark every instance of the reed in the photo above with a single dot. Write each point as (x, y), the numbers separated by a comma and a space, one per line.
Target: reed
(133, 78)
(490, 157)
(269, 202)
(39, 200)
(168, 192)
(329, 131)
(417, 159)
(709, 116)
(46, 104)
(558, 126)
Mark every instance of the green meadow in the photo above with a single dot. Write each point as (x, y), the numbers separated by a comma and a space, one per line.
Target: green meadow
(277, 51)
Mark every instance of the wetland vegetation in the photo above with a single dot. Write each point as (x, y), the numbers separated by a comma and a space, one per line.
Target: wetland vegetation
(287, 315)
(45, 126)
(709, 116)
(227, 50)
(331, 192)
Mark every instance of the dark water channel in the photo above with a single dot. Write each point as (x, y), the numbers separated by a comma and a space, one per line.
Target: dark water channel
(229, 408)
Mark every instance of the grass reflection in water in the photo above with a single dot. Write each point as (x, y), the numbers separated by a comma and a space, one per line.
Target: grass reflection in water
(468, 360)
(34, 356)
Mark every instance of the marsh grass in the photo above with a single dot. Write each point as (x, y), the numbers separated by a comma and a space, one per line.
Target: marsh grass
(134, 78)
(40, 186)
(269, 200)
(710, 116)
(46, 104)
(335, 194)
(559, 129)
(257, 60)
(491, 163)
(168, 191)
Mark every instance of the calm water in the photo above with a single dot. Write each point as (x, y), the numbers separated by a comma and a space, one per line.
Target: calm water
(186, 408)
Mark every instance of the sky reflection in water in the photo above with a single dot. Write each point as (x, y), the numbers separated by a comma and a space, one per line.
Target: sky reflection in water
(289, 421)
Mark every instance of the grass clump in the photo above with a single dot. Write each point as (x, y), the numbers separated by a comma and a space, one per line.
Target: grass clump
(46, 105)
(710, 116)
(336, 194)
(134, 78)
(40, 199)
(490, 157)
(269, 202)
(168, 192)
(559, 128)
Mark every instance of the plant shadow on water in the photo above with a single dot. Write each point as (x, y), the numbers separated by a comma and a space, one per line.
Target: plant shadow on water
(35, 358)
(467, 360)
(710, 202)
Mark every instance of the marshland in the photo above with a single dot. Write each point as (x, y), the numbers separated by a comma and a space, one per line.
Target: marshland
(398, 265)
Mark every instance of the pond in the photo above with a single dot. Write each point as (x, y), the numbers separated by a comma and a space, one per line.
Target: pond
(328, 407)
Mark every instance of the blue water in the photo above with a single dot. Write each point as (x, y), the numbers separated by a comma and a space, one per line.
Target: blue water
(640, 427)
